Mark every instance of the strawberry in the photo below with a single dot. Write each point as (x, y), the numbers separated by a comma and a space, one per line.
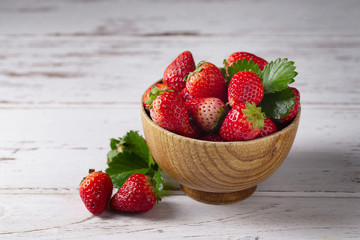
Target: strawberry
(206, 112)
(193, 131)
(269, 128)
(159, 86)
(168, 111)
(293, 112)
(245, 86)
(215, 137)
(241, 55)
(242, 123)
(174, 74)
(135, 195)
(95, 191)
(185, 94)
(206, 81)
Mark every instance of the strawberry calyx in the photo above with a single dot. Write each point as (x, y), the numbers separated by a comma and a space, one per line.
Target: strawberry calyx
(154, 93)
(220, 118)
(197, 69)
(254, 115)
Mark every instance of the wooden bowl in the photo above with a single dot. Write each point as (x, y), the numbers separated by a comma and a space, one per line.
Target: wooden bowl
(218, 172)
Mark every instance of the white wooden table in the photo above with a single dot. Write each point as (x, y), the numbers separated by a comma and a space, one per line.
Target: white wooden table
(71, 77)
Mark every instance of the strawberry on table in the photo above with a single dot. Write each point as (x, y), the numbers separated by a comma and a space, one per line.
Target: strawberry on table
(245, 86)
(95, 191)
(245, 55)
(269, 128)
(242, 123)
(174, 74)
(206, 81)
(137, 194)
(206, 112)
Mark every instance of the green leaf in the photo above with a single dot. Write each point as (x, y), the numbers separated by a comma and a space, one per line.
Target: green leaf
(277, 105)
(158, 183)
(134, 157)
(277, 75)
(114, 143)
(241, 65)
(135, 143)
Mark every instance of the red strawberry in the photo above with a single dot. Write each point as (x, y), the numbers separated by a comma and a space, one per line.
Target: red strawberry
(212, 138)
(174, 74)
(269, 128)
(135, 195)
(206, 81)
(185, 94)
(206, 112)
(169, 112)
(245, 86)
(95, 191)
(160, 86)
(243, 122)
(293, 112)
(241, 55)
(192, 132)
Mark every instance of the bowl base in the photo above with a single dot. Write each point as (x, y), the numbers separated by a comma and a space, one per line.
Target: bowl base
(218, 198)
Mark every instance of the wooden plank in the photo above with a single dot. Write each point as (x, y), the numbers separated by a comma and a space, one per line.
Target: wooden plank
(324, 157)
(63, 70)
(181, 217)
(178, 17)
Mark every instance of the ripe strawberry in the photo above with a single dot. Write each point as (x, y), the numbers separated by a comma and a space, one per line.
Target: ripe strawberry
(174, 74)
(245, 86)
(293, 112)
(160, 86)
(95, 191)
(215, 137)
(241, 55)
(206, 112)
(193, 131)
(243, 122)
(185, 94)
(269, 128)
(169, 112)
(206, 81)
(135, 195)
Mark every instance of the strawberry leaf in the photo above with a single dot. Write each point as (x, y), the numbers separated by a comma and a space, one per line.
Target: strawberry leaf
(277, 105)
(129, 155)
(277, 75)
(241, 65)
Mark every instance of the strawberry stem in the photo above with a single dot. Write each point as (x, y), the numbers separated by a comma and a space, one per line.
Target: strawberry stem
(197, 69)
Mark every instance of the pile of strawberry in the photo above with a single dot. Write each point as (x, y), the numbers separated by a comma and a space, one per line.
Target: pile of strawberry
(132, 170)
(248, 98)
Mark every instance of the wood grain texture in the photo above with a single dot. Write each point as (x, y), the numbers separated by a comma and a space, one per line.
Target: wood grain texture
(218, 167)
(179, 217)
(105, 69)
(72, 73)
